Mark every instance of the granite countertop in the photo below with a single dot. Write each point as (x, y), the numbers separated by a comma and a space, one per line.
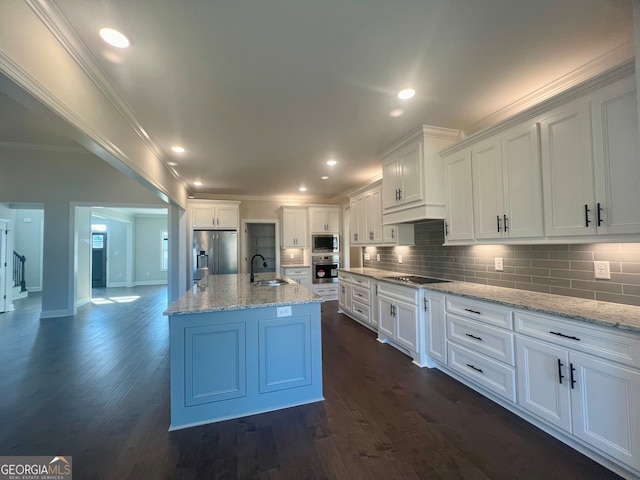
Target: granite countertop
(294, 266)
(624, 317)
(235, 292)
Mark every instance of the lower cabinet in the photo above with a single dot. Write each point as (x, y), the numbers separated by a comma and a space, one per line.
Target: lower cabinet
(327, 290)
(436, 327)
(401, 320)
(354, 298)
(302, 275)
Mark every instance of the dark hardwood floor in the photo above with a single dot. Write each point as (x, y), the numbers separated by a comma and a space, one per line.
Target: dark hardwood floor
(96, 386)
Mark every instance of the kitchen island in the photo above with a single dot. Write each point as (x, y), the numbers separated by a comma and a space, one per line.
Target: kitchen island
(239, 349)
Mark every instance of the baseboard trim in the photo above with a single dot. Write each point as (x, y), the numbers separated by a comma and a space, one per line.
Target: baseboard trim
(149, 282)
(56, 313)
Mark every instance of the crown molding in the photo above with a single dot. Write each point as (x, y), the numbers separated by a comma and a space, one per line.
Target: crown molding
(41, 147)
(422, 131)
(608, 61)
(59, 26)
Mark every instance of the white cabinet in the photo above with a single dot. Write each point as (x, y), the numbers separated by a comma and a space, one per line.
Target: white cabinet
(459, 197)
(301, 275)
(329, 291)
(294, 227)
(357, 220)
(324, 219)
(480, 345)
(436, 327)
(507, 193)
(355, 298)
(373, 216)
(397, 235)
(583, 379)
(214, 215)
(592, 191)
(412, 174)
(401, 320)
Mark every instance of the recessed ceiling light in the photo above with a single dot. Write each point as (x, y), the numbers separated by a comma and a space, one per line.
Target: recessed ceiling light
(397, 112)
(190, 196)
(331, 163)
(172, 164)
(303, 189)
(114, 38)
(406, 94)
(324, 177)
(197, 184)
(178, 149)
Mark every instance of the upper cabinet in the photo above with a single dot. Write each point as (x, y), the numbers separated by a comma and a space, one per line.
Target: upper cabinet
(324, 219)
(412, 173)
(293, 227)
(566, 168)
(215, 214)
(507, 194)
(590, 151)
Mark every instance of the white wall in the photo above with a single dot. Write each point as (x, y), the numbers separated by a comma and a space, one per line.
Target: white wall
(148, 250)
(27, 241)
(118, 258)
(83, 255)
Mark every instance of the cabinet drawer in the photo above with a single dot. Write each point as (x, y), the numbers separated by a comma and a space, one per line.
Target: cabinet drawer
(492, 375)
(493, 342)
(576, 335)
(408, 294)
(486, 312)
(361, 295)
(362, 281)
(297, 271)
(345, 276)
(360, 311)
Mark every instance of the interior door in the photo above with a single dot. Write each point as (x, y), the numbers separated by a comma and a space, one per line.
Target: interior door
(99, 259)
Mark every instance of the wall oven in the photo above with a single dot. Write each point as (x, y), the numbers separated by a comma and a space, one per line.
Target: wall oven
(324, 269)
(325, 244)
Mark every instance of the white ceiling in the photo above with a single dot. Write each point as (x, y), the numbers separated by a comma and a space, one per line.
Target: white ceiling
(262, 93)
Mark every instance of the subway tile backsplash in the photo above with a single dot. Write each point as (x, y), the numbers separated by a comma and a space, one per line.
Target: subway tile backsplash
(559, 269)
(291, 256)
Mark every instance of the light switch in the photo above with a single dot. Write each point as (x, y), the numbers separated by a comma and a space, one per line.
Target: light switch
(367, 256)
(283, 311)
(499, 264)
(602, 270)
(399, 258)
(378, 257)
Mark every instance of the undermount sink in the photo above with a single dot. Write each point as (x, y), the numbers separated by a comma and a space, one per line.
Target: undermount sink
(272, 282)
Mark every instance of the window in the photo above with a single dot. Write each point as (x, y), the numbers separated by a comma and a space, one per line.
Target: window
(164, 251)
(97, 241)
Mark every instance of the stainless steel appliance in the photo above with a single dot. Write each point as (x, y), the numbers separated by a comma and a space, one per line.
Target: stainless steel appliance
(214, 252)
(324, 244)
(324, 269)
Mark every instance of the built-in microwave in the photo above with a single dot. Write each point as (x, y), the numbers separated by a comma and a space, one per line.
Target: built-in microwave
(325, 243)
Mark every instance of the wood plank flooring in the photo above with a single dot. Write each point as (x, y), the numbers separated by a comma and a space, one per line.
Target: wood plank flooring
(96, 386)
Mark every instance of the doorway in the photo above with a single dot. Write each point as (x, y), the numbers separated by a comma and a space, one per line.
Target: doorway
(260, 238)
(99, 259)
(3, 265)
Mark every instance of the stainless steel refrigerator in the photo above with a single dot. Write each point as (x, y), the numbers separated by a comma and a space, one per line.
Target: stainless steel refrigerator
(214, 252)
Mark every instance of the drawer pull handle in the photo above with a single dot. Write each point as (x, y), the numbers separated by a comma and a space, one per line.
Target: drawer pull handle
(475, 368)
(472, 311)
(473, 336)
(560, 375)
(564, 336)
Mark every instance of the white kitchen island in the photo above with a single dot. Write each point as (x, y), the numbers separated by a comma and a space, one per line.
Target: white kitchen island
(239, 349)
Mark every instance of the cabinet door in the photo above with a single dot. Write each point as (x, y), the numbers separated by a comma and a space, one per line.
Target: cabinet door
(202, 216)
(407, 325)
(344, 296)
(357, 220)
(333, 221)
(390, 181)
(411, 173)
(318, 220)
(543, 383)
(616, 153)
(522, 183)
(300, 219)
(387, 322)
(459, 218)
(606, 407)
(374, 304)
(488, 209)
(567, 172)
(226, 216)
(294, 228)
(436, 341)
(373, 216)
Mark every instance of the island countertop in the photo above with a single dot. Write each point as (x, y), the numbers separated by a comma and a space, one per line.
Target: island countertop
(236, 292)
(624, 317)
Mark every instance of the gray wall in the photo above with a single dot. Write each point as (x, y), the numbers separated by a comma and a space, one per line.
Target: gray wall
(559, 269)
(147, 250)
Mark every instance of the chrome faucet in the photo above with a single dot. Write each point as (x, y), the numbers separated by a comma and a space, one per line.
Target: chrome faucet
(264, 263)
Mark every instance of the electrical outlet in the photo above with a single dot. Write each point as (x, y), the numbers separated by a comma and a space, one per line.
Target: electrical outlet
(602, 270)
(367, 256)
(499, 264)
(399, 258)
(377, 257)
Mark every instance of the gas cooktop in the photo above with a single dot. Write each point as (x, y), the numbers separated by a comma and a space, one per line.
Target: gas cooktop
(416, 279)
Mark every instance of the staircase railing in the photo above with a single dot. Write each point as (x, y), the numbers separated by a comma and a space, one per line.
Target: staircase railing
(18, 271)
